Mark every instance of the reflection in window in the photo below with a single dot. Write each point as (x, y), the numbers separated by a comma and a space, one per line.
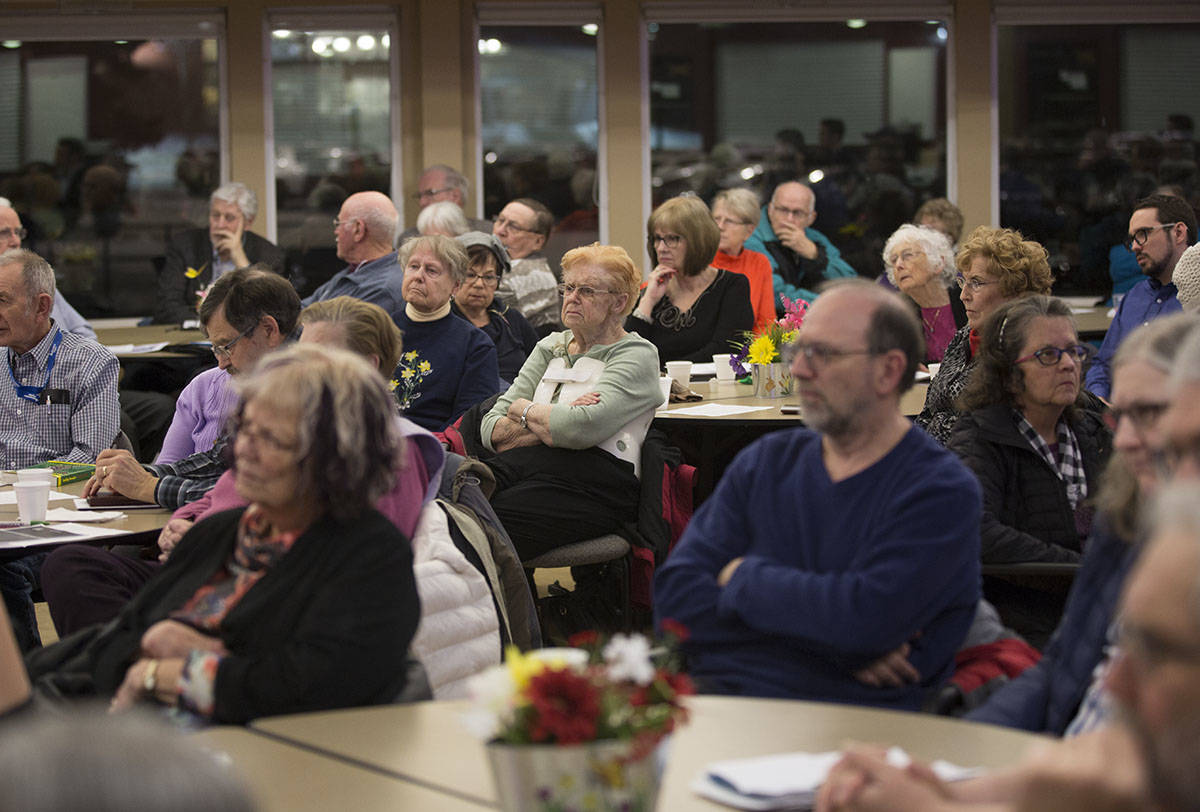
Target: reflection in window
(857, 112)
(331, 93)
(538, 97)
(1092, 118)
(108, 149)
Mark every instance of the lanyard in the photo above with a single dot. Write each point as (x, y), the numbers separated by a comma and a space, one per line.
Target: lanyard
(34, 393)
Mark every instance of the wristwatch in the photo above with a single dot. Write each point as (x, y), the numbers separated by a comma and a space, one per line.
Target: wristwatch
(525, 414)
(150, 678)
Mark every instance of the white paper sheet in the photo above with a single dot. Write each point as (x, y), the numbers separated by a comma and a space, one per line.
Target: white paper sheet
(10, 497)
(135, 349)
(75, 532)
(718, 410)
(68, 515)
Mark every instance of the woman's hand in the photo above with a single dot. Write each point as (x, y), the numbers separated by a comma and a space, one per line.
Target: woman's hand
(117, 470)
(170, 535)
(656, 288)
(587, 399)
(167, 674)
(170, 638)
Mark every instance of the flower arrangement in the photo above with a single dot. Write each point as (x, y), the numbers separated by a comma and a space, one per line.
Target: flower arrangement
(765, 347)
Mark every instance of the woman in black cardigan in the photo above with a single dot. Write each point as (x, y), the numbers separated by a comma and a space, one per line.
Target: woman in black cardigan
(303, 600)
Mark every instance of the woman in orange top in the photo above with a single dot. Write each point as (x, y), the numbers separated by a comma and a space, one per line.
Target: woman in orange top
(736, 213)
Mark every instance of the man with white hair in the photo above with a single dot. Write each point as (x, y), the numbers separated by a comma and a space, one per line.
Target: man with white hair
(365, 230)
(198, 257)
(440, 183)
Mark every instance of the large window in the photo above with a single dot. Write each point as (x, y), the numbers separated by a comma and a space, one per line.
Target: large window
(539, 125)
(108, 147)
(1093, 117)
(855, 108)
(331, 91)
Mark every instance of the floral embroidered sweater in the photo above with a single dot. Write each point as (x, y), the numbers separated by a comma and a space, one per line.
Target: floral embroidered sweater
(448, 366)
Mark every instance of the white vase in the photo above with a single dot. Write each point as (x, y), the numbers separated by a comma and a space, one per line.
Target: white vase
(595, 776)
(771, 380)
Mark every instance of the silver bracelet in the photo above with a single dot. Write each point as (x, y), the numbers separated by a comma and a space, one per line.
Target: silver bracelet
(525, 414)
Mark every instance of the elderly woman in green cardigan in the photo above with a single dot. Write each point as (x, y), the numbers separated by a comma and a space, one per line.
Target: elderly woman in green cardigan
(568, 432)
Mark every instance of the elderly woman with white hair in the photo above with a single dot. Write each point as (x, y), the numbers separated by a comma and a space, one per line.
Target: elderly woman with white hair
(736, 214)
(920, 263)
(444, 217)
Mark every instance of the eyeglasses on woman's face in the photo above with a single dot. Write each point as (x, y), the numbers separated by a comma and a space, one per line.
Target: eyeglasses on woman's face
(974, 283)
(584, 291)
(669, 240)
(1049, 356)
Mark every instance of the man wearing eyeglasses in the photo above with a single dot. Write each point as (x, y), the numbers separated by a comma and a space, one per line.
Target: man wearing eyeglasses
(11, 235)
(838, 561)
(523, 226)
(1160, 230)
(440, 182)
(365, 231)
(801, 257)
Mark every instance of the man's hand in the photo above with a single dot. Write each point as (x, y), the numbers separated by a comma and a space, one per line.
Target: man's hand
(170, 535)
(728, 570)
(228, 245)
(117, 470)
(890, 671)
(796, 239)
(170, 638)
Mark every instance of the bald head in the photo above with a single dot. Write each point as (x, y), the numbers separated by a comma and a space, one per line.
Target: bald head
(793, 205)
(10, 229)
(366, 227)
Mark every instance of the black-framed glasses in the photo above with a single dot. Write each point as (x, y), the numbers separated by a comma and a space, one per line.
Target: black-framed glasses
(817, 356)
(489, 280)
(585, 291)
(1140, 236)
(1049, 356)
(669, 240)
(974, 283)
(1143, 415)
(225, 350)
(7, 234)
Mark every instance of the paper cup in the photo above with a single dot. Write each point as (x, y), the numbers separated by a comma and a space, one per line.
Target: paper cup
(36, 475)
(680, 371)
(664, 383)
(724, 371)
(31, 501)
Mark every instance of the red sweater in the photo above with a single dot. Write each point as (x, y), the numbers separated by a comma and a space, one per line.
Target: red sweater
(757, 268)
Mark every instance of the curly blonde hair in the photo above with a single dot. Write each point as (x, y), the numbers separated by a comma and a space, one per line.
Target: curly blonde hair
(1020, 265)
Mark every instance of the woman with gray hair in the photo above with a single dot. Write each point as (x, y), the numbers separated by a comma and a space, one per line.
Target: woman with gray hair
(303, 600)
(736, 214)
(920, 264)
(448, 365)
(444, 217)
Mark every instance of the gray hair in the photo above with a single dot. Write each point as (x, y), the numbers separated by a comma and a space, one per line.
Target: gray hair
(742, 203)
(240, 195)
(442, 216)
(934, 243)
(893, 326)
(346, 422)
(454, 178)
(36, 273)
(1186, 368)
(447, 250)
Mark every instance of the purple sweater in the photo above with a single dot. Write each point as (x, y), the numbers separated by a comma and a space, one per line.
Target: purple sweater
(200, 413)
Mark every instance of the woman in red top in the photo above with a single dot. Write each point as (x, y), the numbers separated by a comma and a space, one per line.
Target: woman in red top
(736, 213)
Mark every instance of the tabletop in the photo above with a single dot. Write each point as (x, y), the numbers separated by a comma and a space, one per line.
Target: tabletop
(731, 393)
(426, 742)
(136, 527)
(124, 335)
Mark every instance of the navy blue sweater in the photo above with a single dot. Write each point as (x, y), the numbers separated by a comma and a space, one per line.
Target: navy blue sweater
(447, 367)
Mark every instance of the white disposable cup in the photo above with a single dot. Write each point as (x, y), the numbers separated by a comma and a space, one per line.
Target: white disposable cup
(31, 501)
(36, 475)
(724, 371)
(680, 371)
(664, 383)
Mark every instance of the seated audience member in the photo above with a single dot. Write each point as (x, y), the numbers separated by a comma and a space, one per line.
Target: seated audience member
(199, 257)
(250, 312)
(1160, 229)
(860, 525)
(995, 265)
(735, 212)
(941, 215)
(523, 226)
(1144, 760)
(443, 218)
(801, 257)
(1060, 694)
(919, 263)
(568, 433)
(1037, 450)
(61, 403)
(448, 364)
(364, 230)
(475, 300)
(689, 309)
(84, 584)
(11, 235)
(304, 600)
(1187, 279)
(441, 183)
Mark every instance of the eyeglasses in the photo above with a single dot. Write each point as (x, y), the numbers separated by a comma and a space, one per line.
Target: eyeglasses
(817, 356)
(225, 350)
(1143, 415)
(1140, 236)
(584, 291)
(725, 222)
(669, 240)
(489, 280)
(505, 223)
(262, 439)
(1149, 649)
(339, 223)
(1049, 356)
(790, 213)
(1177, 452)
(974, 283)
(425, 193)
(7, 234)
(907, 255)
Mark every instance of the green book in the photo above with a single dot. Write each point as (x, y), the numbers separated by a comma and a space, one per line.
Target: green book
(65, 472)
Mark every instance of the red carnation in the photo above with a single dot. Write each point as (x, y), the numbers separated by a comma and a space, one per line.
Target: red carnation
(584, 639)
(566, 707)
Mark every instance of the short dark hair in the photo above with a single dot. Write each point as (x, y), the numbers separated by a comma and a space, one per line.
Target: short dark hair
(1171, 209)
(248, 294)
(543, 220)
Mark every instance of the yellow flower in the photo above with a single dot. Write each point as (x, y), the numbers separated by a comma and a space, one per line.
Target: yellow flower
(192, 273)
(392, 384)
(762, 350)
(406, 374)
(521, 668)
(411, 355)
(788, 337)
(424, 367)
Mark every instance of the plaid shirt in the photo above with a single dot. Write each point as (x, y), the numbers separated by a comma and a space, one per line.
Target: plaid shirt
(188, 479)
(77, 430)
(1068, 464)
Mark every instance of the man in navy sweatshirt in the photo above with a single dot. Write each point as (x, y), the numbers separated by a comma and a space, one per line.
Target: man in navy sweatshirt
(838, 561)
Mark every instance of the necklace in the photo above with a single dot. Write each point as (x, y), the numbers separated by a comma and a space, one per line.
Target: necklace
(930, 324)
